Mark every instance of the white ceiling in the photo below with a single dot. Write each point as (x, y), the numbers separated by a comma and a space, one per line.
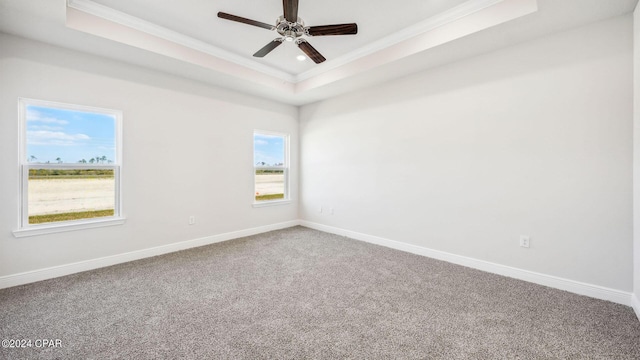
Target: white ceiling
(187, 39)
(197, 19)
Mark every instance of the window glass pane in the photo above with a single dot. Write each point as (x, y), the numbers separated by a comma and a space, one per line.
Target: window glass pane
(63, 195)
(270, 162)
(269, 184)
(57, 136)
(72, 156)
(268, 150)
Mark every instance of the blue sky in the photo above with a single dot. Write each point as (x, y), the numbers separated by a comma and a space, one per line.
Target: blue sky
(69, 135)
(268, 149)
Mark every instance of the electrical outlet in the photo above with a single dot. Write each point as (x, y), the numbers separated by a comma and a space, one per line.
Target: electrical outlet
(525, 241)
(192, 220)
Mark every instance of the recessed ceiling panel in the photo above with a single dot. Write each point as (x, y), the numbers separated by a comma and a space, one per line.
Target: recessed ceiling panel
(198, 19)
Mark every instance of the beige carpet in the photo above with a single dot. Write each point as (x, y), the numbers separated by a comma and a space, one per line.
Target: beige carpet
(303, 294)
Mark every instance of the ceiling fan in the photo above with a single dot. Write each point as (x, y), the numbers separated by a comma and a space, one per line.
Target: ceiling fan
(292, 29)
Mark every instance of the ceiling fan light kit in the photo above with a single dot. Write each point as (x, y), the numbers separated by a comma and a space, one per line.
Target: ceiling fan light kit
(291, 28)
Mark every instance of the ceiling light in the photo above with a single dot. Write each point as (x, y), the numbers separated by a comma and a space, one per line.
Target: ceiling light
(301, 58)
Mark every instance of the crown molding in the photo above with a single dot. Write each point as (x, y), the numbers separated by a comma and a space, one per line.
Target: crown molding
(118, 17)
(457, 24)
(434, 22)
(459, 21)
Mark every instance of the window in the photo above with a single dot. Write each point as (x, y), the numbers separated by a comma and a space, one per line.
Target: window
(271, 167)
(70, 167)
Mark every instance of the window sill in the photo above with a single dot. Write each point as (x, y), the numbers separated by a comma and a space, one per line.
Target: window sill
(45, 229)
(271, 203)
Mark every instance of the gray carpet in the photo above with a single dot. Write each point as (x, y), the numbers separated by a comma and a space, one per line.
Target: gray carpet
(299, 294)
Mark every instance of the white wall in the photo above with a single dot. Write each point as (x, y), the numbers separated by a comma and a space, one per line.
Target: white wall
(535, 139)
(636, 159)
(188, 150)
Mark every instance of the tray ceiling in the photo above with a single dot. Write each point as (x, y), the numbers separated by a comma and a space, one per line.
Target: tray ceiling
(186, 38)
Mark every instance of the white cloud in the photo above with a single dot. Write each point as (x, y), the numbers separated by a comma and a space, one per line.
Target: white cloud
(36, 116)
(261, 142)
(46, 137)
(45, 127)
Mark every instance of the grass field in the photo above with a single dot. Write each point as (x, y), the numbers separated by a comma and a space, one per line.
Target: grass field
(40, 219)
(269, 197)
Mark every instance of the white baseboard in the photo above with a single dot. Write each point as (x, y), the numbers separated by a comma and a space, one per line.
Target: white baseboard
(576, 287)
(67, 269)
(635, 304)
(595, 291)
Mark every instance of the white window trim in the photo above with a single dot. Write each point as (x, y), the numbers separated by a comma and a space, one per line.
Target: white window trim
(24, 228)
(286, 168)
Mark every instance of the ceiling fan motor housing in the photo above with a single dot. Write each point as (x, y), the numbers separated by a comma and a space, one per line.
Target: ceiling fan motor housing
(290, 31)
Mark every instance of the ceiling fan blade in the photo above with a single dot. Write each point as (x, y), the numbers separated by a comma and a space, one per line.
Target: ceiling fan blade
(311, 52)
(290, 10)
(226, 16)
(268, 48)
(338, 29)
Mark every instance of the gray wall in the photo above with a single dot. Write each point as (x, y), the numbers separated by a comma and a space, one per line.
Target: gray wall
(188, 150)
(534, 139)
(636, 159)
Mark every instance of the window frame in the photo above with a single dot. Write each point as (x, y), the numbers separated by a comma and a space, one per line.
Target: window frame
(285, 167)
(26, 229)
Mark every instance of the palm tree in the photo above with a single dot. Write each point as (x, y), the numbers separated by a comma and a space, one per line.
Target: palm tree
(83, 161)
(103, 159)
(32, 158)
(59, 160)
(92, 160)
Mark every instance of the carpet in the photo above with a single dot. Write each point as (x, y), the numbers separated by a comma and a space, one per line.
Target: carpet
(299, 293)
